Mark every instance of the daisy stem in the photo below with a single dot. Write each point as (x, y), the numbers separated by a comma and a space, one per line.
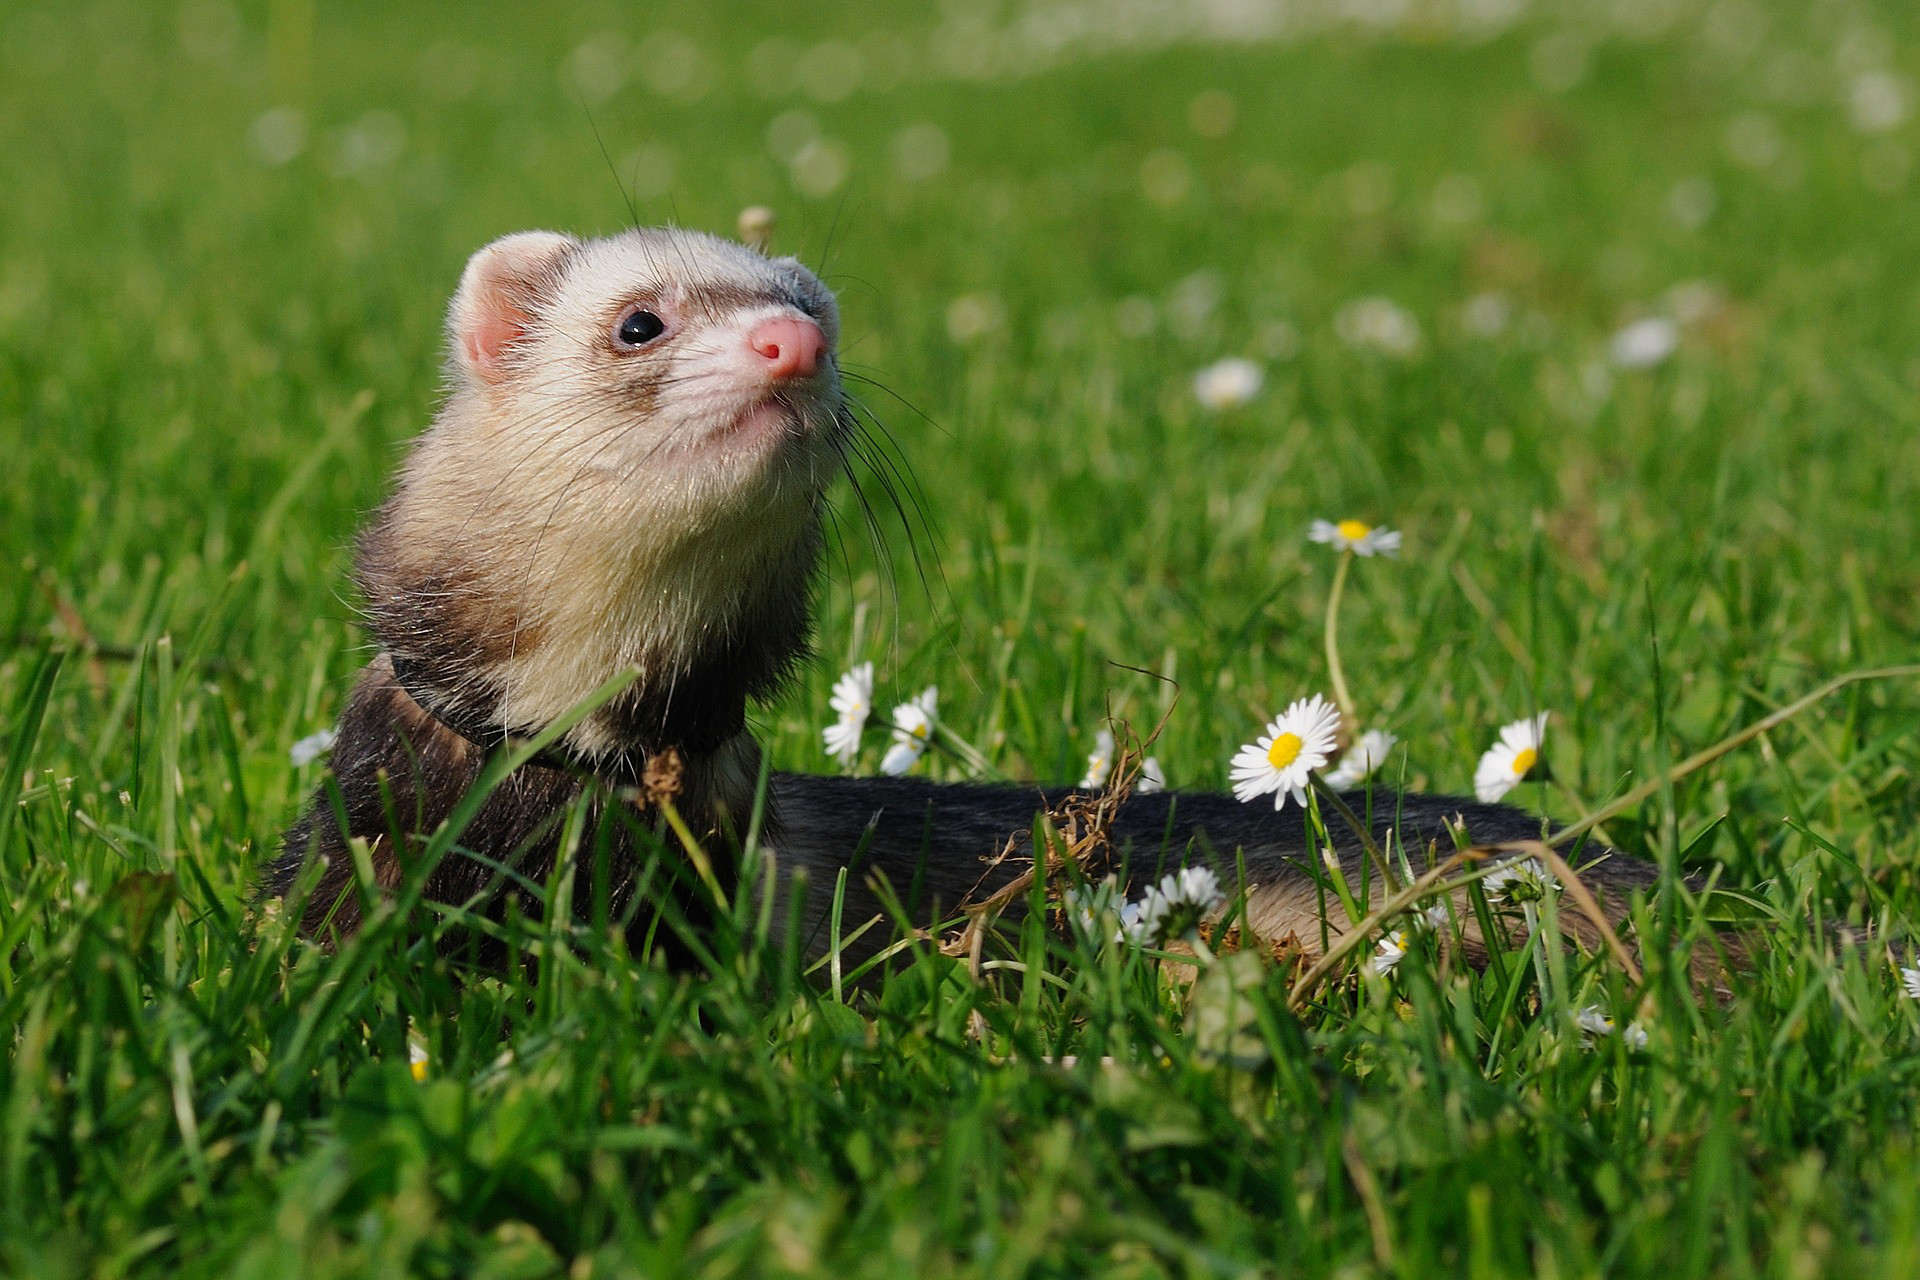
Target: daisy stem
(1539, 949)
(968, 754)
(1349, 718)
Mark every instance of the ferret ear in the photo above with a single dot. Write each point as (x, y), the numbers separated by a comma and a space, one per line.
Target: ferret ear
(499, 291)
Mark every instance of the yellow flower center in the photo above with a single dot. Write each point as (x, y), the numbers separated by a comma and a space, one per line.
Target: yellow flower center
(920, 731)
(1524, 761)
(1284, 751)
(1353, 530)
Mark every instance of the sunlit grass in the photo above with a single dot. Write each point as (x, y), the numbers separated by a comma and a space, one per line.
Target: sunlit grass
(224, 248)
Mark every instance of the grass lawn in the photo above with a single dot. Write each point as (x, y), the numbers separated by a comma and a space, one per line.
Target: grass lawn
(227, 236)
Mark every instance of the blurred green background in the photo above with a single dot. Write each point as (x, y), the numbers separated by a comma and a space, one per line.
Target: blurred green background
(227, 222)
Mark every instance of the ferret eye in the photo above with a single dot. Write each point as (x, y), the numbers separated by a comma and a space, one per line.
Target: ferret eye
(639, 327)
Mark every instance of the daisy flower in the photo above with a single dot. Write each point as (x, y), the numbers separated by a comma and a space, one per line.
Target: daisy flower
(1644, 343)
(1140, 921)
(1357, 536)
(1594, 1022)
(1910, 982)
(1088, 905)
(1361, 759)
(1173, 908)
(1380, 323)
(1227, 384)
(1597, 1024)
(1510, 759)
(310, 748)
(417, 1061)
(852, 703)
(1280, 762)
(1391, 951)
(913, 723)
(1099, 761)
(1521, 882)
(1152, 777)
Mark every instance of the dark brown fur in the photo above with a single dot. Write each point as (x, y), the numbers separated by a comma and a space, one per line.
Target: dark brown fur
(400, 772)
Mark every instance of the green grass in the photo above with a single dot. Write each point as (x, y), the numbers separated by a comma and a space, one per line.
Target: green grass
(209, 365)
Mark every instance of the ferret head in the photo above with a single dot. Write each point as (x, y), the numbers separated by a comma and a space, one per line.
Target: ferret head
(689, 360)
(629, 471)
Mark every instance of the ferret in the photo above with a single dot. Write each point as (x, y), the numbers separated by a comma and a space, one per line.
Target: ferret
(630, 473)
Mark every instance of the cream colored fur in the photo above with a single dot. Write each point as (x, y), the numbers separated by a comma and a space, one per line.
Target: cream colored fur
(617, 534)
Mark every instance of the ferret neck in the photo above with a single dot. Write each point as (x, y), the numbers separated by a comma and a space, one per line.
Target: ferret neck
(697, 720)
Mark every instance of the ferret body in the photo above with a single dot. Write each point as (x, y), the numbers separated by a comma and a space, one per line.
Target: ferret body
(630, 473)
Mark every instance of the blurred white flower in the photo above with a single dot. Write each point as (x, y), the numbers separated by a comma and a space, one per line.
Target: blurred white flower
(1692, 301)
(417, 1061)
(1877, 101)
(1281, 761)
(1486, 314)
(1099, 760)
(1152, 777)
(311, 748)
(1508, 761)
(754, 226)
(1593, 1021)
(972, 316)
(852, 703)
(913, 723)
(1357, 536)
(1691, 201)
(1379, 323)
(1361, 759)
(1644, 343)
(279, 134)
(921, 151)
(819, 168)
(1910, 982)
(1391, 951)
(1226, 384)
(1597, 1024)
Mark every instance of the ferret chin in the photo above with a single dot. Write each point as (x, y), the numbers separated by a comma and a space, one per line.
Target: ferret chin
(628, 475)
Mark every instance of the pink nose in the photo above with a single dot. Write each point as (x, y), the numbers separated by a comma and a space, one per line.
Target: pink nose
(790, 344)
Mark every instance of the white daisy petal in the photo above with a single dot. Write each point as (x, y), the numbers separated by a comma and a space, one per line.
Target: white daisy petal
(1910, 982)
(842, 739)
(1281, 761)
(853, 692)
(1228, 383)
(311, 748)
(852, 703)
(1509, 760)
(1172, 909)
(1361, 759)
(913, 724)
(1522, 880)
(1391, 951)
(1152, 778)
(1099, 761)
(1594, 1024)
